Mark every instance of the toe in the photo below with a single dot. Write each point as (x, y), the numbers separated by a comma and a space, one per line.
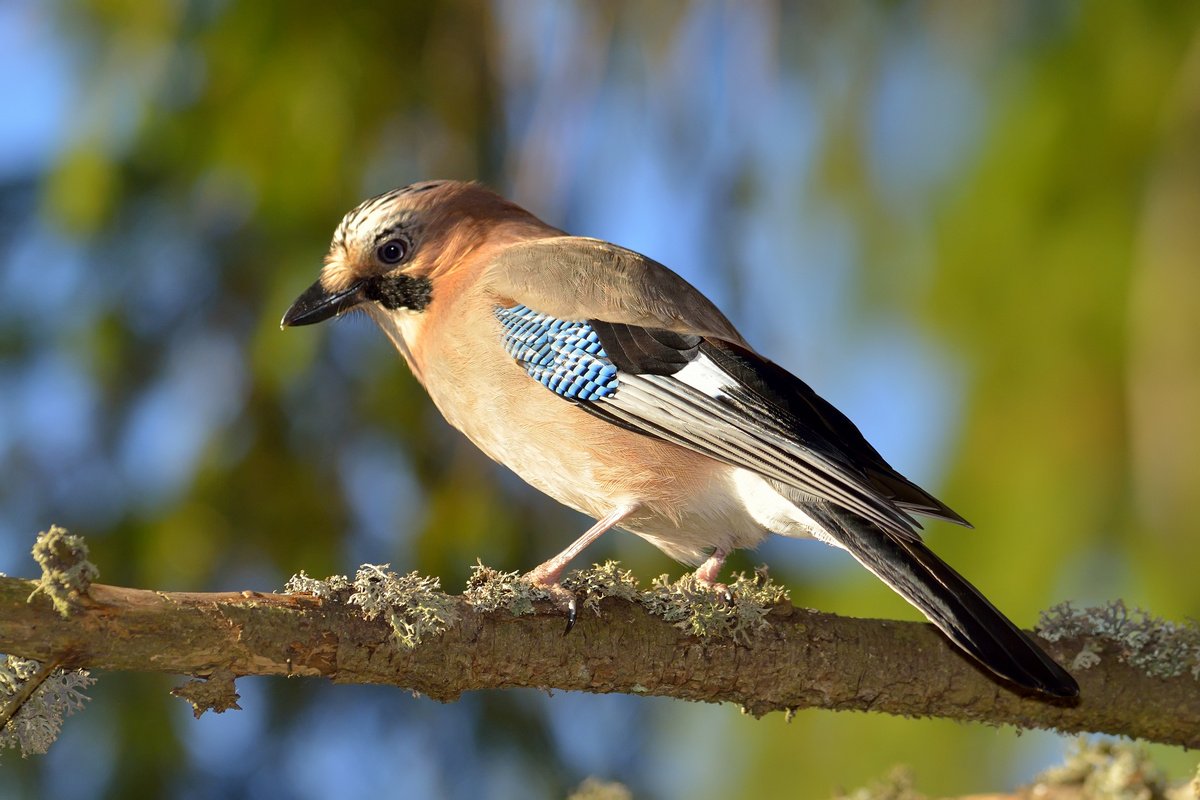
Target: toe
(561, 596)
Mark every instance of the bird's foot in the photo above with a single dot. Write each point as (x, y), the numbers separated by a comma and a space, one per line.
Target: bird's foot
(547, 575)
(548, 581)
(720, 590)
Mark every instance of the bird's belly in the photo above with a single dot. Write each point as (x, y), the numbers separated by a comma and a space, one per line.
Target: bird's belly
(688, 503)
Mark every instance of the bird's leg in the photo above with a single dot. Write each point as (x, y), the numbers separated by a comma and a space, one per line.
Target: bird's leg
(708, 572)
(546, 575)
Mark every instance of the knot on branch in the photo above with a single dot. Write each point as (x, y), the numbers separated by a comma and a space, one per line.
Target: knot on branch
(214, 693)
(66, 571)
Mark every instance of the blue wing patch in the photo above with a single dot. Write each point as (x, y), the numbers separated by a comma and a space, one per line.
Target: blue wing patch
(564, 356)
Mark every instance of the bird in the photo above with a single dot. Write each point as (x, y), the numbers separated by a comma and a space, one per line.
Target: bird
(611, 384)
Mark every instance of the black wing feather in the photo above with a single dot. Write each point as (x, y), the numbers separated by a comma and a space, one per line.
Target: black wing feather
(815, 422)
(951, 603)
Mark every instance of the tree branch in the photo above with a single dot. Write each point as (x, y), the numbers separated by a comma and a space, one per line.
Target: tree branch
(795, 659)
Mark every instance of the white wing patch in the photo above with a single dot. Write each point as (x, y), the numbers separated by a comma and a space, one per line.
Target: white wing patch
(705, 376)
(776, 513)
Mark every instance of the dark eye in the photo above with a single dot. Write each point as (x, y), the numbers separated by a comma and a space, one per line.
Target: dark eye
(392, 251)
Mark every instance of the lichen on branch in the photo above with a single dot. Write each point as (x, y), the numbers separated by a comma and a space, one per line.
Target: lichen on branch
(66, 571)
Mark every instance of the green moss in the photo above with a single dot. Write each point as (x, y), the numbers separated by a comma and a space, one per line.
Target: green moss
(415, 606)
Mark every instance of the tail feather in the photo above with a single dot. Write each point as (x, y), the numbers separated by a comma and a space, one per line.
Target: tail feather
(950, 603)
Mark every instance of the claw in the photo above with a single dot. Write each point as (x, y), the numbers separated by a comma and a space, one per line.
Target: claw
(572, 614)
(561, 596)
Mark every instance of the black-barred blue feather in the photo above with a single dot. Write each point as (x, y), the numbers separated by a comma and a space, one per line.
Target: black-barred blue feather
(565, 356)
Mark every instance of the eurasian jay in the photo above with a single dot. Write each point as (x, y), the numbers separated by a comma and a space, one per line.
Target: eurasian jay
(611, 384)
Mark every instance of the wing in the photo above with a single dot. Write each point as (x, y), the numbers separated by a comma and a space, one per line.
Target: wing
(796, 411)
(717, 398)
(575, 278)
(688, 376)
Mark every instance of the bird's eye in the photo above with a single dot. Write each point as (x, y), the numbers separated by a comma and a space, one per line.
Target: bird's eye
(392, 251)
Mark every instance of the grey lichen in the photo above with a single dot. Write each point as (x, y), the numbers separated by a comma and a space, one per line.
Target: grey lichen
(215, 693)
(1088, 657)
(695, 606)
(335, 587)
(1105, 769)
(596, 789)
(1158, 647)
(898, 784)
(491, 590)
(36, 698)
(603, 580)
(1095, 769)
(66, 572)
(413, 605)
(754, 596)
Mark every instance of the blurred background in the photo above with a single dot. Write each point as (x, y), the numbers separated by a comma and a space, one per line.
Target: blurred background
(974, 227)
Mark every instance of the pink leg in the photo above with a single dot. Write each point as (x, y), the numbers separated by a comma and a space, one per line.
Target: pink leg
(711, 569)
(547, 574)
(708, 572)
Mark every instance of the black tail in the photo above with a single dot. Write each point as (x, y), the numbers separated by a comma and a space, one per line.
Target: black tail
(950, 602)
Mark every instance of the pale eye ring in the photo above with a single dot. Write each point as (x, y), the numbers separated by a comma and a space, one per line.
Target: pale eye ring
(392, 251)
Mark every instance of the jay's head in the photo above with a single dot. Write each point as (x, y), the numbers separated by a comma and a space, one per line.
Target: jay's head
(389, 253)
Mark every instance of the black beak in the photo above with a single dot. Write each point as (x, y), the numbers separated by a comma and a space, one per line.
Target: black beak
(318, 305)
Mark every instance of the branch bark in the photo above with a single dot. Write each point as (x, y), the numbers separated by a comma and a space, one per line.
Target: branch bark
(801, 659)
